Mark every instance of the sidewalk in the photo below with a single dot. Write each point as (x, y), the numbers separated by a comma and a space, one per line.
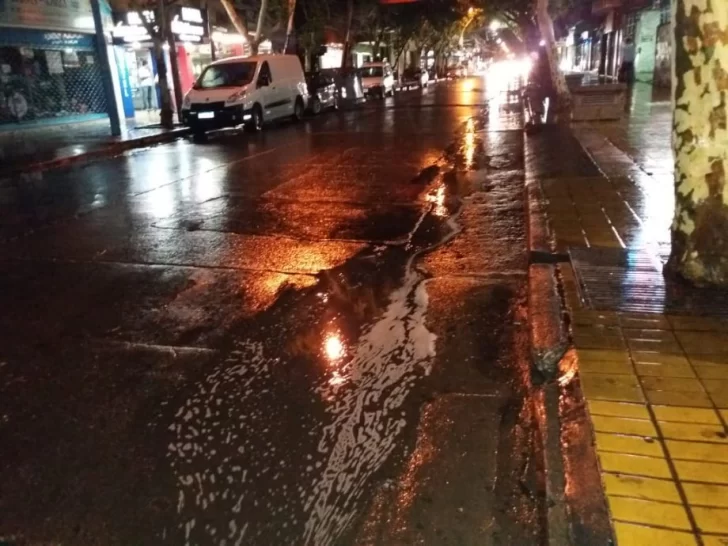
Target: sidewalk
(652, 355)
(55, 145)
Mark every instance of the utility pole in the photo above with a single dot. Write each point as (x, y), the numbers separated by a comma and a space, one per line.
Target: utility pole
(106, 78)
(173, 63)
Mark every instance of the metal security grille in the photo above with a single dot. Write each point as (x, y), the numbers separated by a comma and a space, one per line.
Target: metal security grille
(39, 83)
(611, 279)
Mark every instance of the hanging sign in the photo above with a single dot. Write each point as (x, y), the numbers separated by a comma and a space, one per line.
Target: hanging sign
(187, 25)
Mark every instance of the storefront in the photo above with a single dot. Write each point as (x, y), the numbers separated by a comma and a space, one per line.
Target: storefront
(138, 74)
(49, 67)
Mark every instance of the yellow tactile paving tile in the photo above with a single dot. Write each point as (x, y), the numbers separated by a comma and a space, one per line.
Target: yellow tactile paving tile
(714, 540)
(623, 388)
(686, 415)
(698, 323)
(598, 341)
(724, 413)
(660, 358)
(674, 398)
(637, 465)
(640, 487)
(644, 322)
(631, 534)
(710, 519)
(635, 445)
(654, 369)
(711, 371)
(704, 494)
(701, 471)
(703, 343)
(618, 409)
(697, 451)
(718, 391)
(654, 345)
(621, 425)
(676, 384)
(587, 317)
(602, 355)
(649, 512)
(649, 333)
(606, 366)
(698, 432)
(708, 360)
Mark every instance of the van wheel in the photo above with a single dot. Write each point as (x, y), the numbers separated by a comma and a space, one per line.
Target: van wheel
(199, 136)
(298, 109)
(316, 106)
(255, 123)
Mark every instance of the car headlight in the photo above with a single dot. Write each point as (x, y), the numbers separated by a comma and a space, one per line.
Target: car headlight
(235, 97)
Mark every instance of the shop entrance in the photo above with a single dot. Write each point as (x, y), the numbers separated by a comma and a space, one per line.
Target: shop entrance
(143, 82)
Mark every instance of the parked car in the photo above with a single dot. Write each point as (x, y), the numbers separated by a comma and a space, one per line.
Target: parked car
(414, 77)
(455, 72)
(246, 90)
(323, 92)
(377, 79)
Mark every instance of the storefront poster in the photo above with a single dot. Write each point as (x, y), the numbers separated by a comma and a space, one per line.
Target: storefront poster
(54, 61)
(127, 94)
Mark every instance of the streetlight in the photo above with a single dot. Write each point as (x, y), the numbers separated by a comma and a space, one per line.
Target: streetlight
(495, 25)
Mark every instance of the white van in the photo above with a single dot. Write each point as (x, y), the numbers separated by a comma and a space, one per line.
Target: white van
(247, 90)
(377, 79)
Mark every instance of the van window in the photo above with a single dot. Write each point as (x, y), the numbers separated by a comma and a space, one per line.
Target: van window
(371, 71)
(265, 73)
(226, 75)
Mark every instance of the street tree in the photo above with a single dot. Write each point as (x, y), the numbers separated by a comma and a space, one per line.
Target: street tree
(700, 142)
(546, 27)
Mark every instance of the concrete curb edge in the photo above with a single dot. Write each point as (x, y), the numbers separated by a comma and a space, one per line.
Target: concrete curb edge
(110, 150)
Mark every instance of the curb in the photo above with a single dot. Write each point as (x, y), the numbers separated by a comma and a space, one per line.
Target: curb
(548, 344)
(564, 424)
(112, 149)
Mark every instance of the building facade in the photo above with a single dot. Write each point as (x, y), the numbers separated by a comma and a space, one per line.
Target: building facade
(49, 65)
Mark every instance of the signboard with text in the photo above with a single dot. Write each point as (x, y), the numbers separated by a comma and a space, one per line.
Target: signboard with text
(187, 25)
(67, 15)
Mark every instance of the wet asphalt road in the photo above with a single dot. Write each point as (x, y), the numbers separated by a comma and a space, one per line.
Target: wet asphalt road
(312, 336)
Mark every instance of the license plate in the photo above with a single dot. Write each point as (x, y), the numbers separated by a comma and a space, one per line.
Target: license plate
(206, 115)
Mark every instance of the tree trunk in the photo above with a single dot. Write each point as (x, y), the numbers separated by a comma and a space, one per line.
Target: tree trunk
(259, 27)
(345, 60)
(700, 142)
(289, 27)
(236, 19)
(546, 26)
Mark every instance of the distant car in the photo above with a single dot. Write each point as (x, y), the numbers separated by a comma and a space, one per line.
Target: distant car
(415, 77)
(432, 73)
(455, 72)
(377, 79)
(323, 92)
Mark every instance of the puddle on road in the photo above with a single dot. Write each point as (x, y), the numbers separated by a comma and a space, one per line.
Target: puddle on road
(280, 443)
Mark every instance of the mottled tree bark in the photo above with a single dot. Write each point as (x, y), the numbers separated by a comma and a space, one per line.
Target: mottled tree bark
(236, 19)
(289, 26)
(700, 141)
(259, 27)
